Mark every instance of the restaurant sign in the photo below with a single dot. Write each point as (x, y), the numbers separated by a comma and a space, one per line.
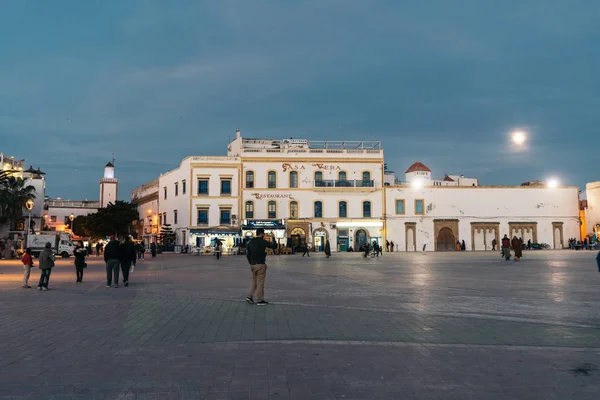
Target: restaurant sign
(260, 196)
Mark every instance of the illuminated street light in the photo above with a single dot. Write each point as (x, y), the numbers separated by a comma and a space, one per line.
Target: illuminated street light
(552, 183)
(519, 137)
(29, 206)
(71, 218)
(417, 184)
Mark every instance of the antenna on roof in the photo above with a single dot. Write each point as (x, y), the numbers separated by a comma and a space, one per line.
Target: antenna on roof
(113, 158)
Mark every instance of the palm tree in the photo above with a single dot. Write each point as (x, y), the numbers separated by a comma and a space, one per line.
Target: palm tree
(13, 195)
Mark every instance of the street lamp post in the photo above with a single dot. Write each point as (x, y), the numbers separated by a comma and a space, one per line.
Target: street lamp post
(29, 205)
(71, 218)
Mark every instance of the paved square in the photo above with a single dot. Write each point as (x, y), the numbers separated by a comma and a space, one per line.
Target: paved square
(402, 326)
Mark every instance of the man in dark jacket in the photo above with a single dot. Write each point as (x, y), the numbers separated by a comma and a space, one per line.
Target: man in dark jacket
(256, 254)
(111, 258)
(127, 257)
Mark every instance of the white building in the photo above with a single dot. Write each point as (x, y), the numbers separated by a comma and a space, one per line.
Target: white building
(109, 186)
(304, 191)
(58, 211)
(592, 211)
(435, 218)
(146, 198)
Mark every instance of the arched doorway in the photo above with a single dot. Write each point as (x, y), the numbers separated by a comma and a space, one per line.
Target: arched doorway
(361, 238)
(320, 236)
(298, 236)
(446, 241)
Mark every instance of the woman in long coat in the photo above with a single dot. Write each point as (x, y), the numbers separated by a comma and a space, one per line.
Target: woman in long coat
(517, 246)
(327, 249)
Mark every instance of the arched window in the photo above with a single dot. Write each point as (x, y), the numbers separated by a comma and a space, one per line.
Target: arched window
(319, 179)
(249, 179)
(294, 209)
(342, 176)
(318, 212)
(294, 179)
(272, 209)
(366, 209)
(343, 209)
(249, 209)
(366, 179)
(272, 180)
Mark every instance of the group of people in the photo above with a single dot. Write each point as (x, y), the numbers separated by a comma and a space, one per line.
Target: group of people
(588, 243)
(374, 250)
(516, 244)
(120, 258)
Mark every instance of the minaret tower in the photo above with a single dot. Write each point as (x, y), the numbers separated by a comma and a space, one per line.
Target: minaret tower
(108, 186)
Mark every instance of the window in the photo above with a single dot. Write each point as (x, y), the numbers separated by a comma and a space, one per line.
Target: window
(165, 192)
(160, 220)
(272, 209)
(165, 218)
(249, 209)
(294, 179)
(225, 187)
(318, 209)
(366, 209)
(318, 179)
(249, 179)
(272, 180)
(176, 188)
(175, 217)
(400, 207)
(203, 186)
(53, 218)
(183, 187)
(343, 209)
(293, 209)
(419, 207)
(202, 216)
(366, 179)
(342, 176)
(225, 218)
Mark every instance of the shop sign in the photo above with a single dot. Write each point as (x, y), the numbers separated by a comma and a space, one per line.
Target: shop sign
(260, 196)
(264, 224)
(327, 167)
(292, 167)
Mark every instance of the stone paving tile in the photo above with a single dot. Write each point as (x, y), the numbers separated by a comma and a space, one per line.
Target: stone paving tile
(423, 326)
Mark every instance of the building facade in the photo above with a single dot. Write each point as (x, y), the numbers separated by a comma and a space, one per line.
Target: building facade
(57, 212)
(311, 192)
(146, 199)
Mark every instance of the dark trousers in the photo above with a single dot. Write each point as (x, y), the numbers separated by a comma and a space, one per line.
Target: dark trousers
(218, 255)
(44, 278)
(112, 270)
(125, 265)
(306, 252)
(79, 274)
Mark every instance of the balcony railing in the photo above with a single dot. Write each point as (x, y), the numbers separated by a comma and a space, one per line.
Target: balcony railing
(345, 183)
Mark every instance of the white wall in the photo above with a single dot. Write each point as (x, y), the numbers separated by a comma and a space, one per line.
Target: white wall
(593, 211)
(61, 213)
(482, 204)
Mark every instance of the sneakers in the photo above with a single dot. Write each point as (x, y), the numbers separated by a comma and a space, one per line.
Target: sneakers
(126, 284)
(108, 285)
(45, 288)
(262, 303)
(39, 288)
(116, 285)
(249, 300)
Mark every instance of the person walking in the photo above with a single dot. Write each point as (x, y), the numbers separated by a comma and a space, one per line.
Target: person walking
(506, 247)
(218, 247)
(80, 264)
(494, 243)
(305, 250)
(27, 261)
(463, 246)
(46, 263)
(126, 258)
(111, 258)
(327, 249)
(387, 246)
(517, 246)
(256, 255)
(153, 250)
(98, 249)
(392, 247)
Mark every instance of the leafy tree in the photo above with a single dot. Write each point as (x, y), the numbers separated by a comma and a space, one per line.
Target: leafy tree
(115, 219)
(80, 227)
(13, 196)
